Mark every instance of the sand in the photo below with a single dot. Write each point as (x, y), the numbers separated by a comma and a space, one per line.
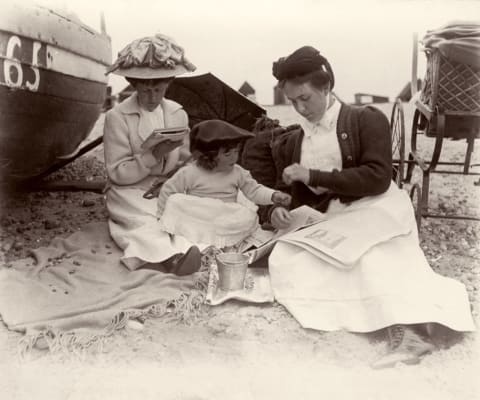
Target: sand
(238, 350)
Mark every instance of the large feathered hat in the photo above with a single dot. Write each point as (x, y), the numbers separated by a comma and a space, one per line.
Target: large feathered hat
(152, 57)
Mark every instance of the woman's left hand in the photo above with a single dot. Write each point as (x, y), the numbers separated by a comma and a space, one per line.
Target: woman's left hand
(296, 172)
(165, 147)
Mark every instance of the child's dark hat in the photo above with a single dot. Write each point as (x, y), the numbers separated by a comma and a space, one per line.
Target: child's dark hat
(215, 130)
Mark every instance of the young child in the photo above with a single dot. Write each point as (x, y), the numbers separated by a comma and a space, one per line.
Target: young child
(201, 201)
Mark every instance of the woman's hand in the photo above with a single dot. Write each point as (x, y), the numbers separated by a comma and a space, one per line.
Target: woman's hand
(296, 172)
(281, 218)
(165, 147)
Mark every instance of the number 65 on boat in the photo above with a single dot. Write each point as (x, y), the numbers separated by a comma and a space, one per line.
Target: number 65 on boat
(52, 87)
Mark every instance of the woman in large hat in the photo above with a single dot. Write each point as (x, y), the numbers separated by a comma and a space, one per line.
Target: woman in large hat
(149, 64)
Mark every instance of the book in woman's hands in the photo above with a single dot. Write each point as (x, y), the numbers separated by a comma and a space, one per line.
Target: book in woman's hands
(160, 135)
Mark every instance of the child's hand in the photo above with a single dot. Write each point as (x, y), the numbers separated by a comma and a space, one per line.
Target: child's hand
(281, 198)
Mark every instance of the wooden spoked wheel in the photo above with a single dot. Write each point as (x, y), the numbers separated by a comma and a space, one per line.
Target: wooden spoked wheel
(397, 128)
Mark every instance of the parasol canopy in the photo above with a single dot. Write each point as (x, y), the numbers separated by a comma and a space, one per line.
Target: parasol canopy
(206, 97)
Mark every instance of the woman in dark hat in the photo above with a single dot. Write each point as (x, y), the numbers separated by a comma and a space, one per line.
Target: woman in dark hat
(149, 64)
(338, 163)
(200, 202)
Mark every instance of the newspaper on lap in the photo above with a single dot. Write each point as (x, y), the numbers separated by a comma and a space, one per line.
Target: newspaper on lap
(342, 238)
(339, 238)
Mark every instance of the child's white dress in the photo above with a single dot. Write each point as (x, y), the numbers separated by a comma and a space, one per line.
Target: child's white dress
(204, 207)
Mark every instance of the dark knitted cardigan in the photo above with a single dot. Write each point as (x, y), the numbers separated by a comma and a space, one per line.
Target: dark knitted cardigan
(365, 144)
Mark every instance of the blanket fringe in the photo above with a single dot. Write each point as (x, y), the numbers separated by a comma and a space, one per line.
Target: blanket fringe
(187, 309)
(69, 343)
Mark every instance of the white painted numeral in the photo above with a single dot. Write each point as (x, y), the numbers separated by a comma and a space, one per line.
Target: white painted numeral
(34, 86)
(11, 63)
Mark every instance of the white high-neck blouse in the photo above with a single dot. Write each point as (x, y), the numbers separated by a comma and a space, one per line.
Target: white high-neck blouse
(320, 148)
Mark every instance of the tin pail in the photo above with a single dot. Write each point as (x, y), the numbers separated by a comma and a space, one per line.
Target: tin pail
(232, 269)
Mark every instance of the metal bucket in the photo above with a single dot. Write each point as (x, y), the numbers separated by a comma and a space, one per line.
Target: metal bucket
(232, 269)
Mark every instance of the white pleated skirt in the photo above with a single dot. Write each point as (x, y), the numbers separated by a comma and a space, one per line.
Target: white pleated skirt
(208, 221)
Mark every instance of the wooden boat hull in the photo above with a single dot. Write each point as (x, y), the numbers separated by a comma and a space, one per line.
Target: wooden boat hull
(52, 88)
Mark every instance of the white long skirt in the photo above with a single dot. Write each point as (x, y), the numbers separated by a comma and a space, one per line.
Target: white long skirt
(208, 221)
(392, 283)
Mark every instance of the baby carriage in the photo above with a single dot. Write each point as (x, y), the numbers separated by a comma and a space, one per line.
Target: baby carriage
(448, 106)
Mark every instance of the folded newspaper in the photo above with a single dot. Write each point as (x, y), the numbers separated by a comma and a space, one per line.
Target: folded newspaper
(341, 239)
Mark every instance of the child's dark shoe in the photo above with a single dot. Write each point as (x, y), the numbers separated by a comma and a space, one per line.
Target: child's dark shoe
(188, 263)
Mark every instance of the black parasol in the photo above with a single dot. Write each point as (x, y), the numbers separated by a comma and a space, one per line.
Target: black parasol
(206, 97)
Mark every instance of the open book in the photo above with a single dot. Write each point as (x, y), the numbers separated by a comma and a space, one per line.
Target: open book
(160, 135)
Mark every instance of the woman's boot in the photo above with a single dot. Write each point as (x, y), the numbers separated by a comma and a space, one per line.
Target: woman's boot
(405, 346)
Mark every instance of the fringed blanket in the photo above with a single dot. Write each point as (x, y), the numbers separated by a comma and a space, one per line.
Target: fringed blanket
(76, 292)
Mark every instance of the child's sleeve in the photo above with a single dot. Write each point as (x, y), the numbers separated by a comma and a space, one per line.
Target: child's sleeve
(176, 184)
(254, 191)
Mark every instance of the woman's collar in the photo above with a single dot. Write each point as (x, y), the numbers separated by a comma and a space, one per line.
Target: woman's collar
(327, 121)
(331, 114)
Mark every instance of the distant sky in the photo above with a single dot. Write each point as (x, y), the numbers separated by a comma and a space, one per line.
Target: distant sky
(368, 42)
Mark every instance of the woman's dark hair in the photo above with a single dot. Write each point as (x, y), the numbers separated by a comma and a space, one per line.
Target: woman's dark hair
(319, 79)
(206, 153)
(305, 64)
(149, 82)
